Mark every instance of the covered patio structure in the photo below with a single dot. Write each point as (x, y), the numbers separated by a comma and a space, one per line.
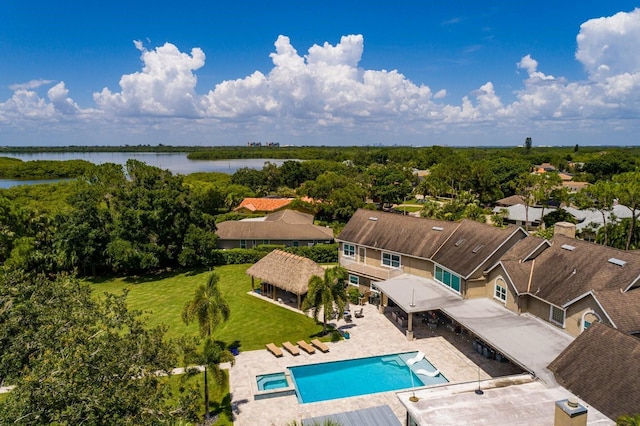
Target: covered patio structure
(285, 271)
(527, 341)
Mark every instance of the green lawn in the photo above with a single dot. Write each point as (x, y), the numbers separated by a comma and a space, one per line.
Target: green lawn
(252, 324)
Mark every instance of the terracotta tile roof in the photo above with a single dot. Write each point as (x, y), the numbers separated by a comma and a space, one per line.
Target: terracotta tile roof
(601, 367)
(264, 204)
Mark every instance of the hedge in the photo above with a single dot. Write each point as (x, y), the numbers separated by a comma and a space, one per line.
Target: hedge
(319, 253)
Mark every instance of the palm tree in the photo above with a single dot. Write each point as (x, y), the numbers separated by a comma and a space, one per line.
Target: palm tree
(325, 293)
(209, 309)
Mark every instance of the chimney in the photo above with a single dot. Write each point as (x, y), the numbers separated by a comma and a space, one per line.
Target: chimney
(570, 413)
(567, 229)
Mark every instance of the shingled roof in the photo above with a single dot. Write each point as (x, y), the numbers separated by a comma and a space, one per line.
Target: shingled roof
(570, 268)
(459, 246)
(282, 225)
(473, 244)
(622, 308)
(392, 232)
(286, 271)
(600, 366)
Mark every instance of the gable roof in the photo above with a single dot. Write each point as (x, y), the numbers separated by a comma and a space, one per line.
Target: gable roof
(471, 245)
(570, 268)
(461, 247)
(286, 271)
(396, 233)
(511, 200)
(263, 204)
(602, 377)
(283, 225)
(622, 308)
(293, 217)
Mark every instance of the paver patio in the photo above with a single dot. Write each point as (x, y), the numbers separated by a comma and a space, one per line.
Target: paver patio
(371, 335)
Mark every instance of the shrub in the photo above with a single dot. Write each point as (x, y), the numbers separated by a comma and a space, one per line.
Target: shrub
(354, 295)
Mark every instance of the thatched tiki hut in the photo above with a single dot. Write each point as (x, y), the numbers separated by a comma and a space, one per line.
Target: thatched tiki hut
(285, 271)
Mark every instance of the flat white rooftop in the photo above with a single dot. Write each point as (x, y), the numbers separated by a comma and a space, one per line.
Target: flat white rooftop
(515, 400)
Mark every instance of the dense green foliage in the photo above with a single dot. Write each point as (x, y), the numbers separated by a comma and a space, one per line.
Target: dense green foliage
(75, 359)
(12, 168)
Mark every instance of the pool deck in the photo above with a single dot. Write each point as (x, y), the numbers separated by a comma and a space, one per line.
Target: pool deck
(371, 335)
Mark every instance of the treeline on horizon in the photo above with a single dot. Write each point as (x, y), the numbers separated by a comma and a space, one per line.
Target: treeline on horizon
(416, 157)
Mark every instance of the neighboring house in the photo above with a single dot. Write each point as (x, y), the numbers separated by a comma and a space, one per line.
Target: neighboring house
(601, 366)
(510, 201)
(376, 246)
(262, 205)
(569, 283)
(519, 214)
(589, 221)
(574, 187)
(286, 227)
(543, 168)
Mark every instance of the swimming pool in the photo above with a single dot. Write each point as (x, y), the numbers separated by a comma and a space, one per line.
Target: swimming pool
(273, 381)
(361, 376)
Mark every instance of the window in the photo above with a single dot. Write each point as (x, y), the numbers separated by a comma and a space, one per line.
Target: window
(391, 260)
(586, 324)
(448, 278)
(374, 288)
(296, 243)
(243, 243)
(265, 241)
(500, 290)
(354, 280)
(348, 250)
(557, 316)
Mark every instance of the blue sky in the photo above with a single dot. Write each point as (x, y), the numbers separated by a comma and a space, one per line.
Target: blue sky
(311, 73)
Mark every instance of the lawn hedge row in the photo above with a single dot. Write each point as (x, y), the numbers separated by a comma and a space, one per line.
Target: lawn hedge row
(319, 253)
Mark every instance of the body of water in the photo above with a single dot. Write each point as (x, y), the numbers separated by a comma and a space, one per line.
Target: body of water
(177, 163)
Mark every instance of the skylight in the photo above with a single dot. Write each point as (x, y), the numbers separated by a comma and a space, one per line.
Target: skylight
(373, 218)
(477, 248)
(438, 228)
(459, 242)
(568, 247)
(618, 262)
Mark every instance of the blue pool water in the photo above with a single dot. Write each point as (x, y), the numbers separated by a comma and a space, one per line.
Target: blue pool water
(271, 381)
(362, 376)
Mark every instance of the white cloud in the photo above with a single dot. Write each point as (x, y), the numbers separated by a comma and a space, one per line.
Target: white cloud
(326, 92)
(607, 46)
(30, 85)
(164, 87)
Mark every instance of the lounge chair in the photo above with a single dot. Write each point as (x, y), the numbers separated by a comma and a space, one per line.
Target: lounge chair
(274, 349)
(419, 356)
(321, 346)
(424, 372)
(359, 314)
(306, 347)
(290, 348)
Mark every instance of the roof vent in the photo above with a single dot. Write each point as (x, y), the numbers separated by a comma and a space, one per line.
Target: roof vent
(373, 218)
(438, 228)
(477, 248)
(568, 247)
(459, 242)
(617, 261)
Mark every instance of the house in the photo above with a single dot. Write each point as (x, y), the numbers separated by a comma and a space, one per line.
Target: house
(521, 215)
(510, 201)
(601, 366)
(569, 283)
(262, 205)
(590, 220)
(543, 168)
(377, 246)
(285, 227)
